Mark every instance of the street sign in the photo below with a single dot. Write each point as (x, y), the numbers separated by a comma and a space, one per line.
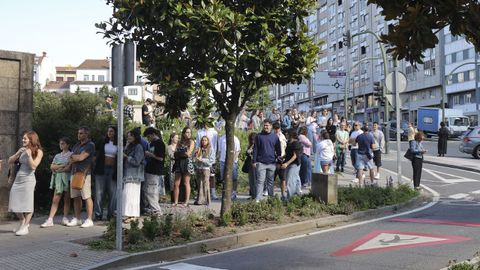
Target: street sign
(401, 81)
(329, 81)
(298, 88)
(388, 240)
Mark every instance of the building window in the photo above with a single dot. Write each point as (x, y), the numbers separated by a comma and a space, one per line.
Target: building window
(101, 78)
(70, 79)
(339, 2)
(431, 94)
(456, 100)
(59, 79)
(86, 77)
(93, 77)
(471, 75)
(460, 77)
(132, 91)
(468, 98)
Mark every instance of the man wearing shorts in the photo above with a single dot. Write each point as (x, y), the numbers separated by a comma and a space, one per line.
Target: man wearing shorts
(81, 161)
(365, 144)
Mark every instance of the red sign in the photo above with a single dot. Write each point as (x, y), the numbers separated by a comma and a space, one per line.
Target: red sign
(389, 240)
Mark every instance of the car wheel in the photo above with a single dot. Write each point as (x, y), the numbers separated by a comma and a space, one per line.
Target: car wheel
(476, 152)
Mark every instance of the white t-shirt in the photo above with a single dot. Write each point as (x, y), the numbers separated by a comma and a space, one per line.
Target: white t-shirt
(222, 147)
(354, 136)
(325, 150)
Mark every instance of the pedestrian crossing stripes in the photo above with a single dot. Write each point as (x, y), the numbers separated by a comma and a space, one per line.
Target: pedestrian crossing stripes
(458, 196)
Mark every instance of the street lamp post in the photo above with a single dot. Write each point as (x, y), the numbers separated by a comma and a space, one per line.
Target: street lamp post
(444, 90)
(385, 71)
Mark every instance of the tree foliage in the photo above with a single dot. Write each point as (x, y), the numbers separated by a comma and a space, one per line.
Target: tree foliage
(231, 48)
(418, 21)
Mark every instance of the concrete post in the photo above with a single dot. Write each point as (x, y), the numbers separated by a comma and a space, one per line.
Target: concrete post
(324, 187)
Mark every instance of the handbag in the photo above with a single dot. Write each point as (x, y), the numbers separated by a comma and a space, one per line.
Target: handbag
(409, 154)
(247, 164)
(12, 171)
(78, 180)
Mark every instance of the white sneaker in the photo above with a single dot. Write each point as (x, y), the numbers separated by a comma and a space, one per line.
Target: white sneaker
(74, 222)
(377, 176)
(88, 223)
(355, 180)
(18, 228)
(48, 223)
(64, 221)
(265, 193)
(23, 230)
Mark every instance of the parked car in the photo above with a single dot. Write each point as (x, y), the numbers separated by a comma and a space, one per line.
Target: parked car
(471, 142)
(393, 130)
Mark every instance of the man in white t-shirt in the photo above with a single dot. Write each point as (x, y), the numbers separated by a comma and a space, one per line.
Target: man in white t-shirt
(323, 119)
(222, 154)
(354, 147)
(212, 135)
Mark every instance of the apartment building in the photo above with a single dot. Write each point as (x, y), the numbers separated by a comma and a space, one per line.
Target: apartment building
(363, 63)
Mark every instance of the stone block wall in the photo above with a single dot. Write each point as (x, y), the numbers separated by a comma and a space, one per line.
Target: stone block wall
(16, 106)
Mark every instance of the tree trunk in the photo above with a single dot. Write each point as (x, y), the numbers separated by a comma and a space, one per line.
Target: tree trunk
(228, 184)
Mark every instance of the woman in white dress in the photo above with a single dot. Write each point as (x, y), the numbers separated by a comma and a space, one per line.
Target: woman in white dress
(22, 192)
(134, 175)
(324, 153)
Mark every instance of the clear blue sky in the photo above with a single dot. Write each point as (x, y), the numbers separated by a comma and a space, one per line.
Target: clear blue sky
(65, 29)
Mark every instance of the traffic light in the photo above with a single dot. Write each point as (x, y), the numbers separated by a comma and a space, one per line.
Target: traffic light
(347, 39)
(378, 92)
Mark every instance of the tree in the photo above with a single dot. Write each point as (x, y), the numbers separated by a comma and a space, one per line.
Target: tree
(420, 20)
(232, 47)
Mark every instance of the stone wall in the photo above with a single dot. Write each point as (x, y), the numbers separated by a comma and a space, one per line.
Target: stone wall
(16, 96)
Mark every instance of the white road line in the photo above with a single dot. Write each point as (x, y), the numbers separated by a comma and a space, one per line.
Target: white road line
(450, 168)
(458, 196)
(475, 192)
(455, 178)
(187, 266)
(436, 198)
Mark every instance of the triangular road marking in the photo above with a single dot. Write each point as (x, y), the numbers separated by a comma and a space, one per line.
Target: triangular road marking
(455, 178)
(385, 240)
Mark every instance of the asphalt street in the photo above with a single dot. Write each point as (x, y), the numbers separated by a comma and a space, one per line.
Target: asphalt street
(431, 146)
(425, 239)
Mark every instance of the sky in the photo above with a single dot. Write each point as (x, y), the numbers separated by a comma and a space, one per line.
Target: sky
(65, 29)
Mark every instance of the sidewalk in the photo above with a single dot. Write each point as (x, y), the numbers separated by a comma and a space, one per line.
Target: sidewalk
(462, 163)
(55, 247)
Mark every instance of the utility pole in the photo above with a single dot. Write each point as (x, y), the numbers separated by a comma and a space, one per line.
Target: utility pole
(123, 74)
(397, 111)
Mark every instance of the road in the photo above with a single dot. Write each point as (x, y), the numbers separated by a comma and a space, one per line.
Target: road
(431, 146)
(425, 239)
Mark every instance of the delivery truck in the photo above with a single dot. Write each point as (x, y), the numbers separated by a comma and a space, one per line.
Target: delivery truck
(428, 121)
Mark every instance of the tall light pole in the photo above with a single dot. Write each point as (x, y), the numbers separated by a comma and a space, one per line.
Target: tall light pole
(444, 87)
(349, 37)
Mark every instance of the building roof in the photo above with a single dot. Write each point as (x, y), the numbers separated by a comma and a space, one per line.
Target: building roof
(67, 69)
(94, 64)
(91, 82)
(57, 85)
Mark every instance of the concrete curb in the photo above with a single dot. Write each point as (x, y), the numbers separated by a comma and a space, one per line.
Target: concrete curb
(451, 166)
(251, 238)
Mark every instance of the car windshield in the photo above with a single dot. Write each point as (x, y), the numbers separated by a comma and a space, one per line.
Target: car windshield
(460, 121)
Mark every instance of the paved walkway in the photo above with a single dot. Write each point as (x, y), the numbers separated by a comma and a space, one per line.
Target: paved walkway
(54, 248)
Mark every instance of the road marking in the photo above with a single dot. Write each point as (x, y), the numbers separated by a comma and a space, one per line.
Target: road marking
(458, 196)
(434, 221)
(388, 240)
(476, 192)
(187, 266)
(454, 180)
(435, 200)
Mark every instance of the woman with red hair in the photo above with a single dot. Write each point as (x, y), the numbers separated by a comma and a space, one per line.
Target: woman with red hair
(21, 194)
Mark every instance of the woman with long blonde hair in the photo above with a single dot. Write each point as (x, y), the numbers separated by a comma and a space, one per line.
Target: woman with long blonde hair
(204, 158)
(22, 192)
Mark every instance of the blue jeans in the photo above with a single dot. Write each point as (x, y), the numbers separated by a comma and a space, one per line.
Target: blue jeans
(305, 170)
(103, 184)
(234, 171)
(353, 157)
(294, 185)
(341, 160)
(265, 173)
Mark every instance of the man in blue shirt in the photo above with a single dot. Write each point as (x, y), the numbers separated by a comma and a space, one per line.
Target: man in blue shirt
(265, 152)
(366, 143)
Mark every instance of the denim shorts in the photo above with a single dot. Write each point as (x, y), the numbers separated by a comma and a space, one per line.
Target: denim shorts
(325, 162)
(363, 162)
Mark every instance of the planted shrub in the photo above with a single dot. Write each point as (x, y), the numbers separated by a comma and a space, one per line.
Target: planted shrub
(134, 235)
(151, 227)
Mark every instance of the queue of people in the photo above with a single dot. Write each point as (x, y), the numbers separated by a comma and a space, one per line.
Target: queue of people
(284, 148)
